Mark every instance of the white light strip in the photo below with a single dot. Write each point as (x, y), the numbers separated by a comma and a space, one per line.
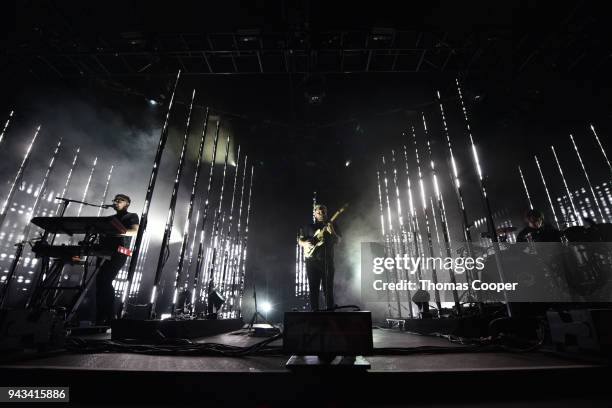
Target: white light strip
(552, 207)
(569, 194)
(586, 175)
(603, 151)
(525, 187)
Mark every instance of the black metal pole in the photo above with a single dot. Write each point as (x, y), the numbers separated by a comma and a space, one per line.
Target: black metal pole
(391, 235)
(215, 235)
(456, 182)
(401, 248)
(236, 240)
(186, 299)
(435, 223)
(144, 217)
(485, 198)
(194, 185)
(434, 274)
(163, 254)
(227, 244)
(245, 239)
(413, 214)
(384, 236)
(442, 212)
(204, 211)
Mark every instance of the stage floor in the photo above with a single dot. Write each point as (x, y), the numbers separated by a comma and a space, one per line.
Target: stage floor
(382, 338)
(494, 376)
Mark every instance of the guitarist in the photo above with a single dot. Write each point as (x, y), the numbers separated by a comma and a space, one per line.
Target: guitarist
(320, 265)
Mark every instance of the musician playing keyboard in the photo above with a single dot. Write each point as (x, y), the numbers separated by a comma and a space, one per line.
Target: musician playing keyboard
(320, 265)
(105, 293)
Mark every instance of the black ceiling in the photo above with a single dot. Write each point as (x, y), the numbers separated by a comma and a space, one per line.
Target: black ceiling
(137, 38)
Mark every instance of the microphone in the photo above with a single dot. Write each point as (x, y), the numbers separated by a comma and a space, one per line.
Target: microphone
(107, 205)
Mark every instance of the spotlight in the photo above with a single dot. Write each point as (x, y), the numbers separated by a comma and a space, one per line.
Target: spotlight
(165, 316)
(266, 307)
(348, 163)
(153, 102)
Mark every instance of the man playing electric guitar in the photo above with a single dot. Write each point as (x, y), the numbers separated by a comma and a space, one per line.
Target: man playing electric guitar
(318, 240)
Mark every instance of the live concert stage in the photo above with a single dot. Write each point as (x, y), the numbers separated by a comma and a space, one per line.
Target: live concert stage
(338, 203)
(445, 373)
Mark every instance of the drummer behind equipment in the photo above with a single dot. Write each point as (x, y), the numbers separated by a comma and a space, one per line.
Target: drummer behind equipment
(536, 230)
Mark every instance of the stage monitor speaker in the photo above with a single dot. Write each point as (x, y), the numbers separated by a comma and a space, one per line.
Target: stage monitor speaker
(31, 329)
(581, 331)
(328, 333)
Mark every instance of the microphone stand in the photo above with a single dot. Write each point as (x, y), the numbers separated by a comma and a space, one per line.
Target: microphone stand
(66, 201)
(256, 314)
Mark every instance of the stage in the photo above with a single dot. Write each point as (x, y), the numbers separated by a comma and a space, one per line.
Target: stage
(420, 378)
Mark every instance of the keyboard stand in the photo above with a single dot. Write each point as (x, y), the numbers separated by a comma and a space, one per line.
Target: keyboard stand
(49, 290)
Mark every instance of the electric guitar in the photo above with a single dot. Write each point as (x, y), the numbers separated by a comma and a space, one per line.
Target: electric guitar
(318, 237)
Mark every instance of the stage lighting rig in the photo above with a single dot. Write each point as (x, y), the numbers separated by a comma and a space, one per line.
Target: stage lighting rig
(382, 36)
(248, 36)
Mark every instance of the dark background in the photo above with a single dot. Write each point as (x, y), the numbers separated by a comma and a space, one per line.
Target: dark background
(532, 73)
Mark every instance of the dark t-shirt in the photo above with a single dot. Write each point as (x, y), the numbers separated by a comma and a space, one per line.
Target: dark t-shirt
(544, 234)
(128, 220)
(327, 249)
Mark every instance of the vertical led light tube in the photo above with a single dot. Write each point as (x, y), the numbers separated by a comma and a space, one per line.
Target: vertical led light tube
(105, 194)
(205, 203)
(434, 274)
(391, 235)
(6, 125)
(550, 202)
(4, 292)
(86, 189)
(384, 236)
(525, 187)
(144, 217)
(163, 254)
(17, 180)
(186, 227)
(442, 212)
(567, 190)
(603, 151)
(215, 234)
(485, 198)
(245, 240)
(588, 179)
